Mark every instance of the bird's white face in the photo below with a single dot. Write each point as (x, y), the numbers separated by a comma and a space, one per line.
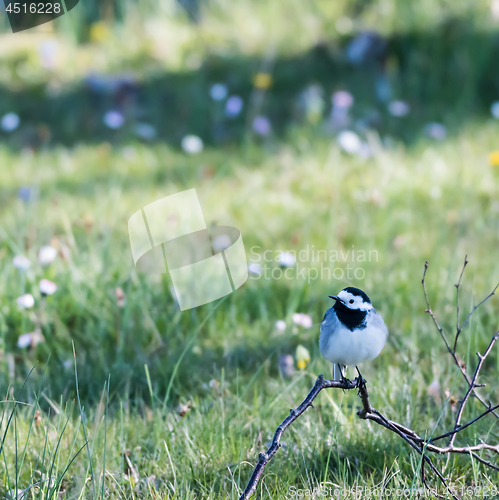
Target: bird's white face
(354, 302)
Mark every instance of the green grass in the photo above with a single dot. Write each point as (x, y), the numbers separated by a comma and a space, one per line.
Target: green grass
(117, 430)
(288, 197)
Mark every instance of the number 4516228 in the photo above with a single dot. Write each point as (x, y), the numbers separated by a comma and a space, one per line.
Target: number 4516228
(34, 8)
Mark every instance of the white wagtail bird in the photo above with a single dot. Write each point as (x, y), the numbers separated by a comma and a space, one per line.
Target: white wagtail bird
(352, 331)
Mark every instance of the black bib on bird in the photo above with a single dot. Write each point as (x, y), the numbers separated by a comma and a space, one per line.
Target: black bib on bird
(351, 318)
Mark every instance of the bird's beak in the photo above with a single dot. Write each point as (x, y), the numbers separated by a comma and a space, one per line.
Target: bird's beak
(335, 297)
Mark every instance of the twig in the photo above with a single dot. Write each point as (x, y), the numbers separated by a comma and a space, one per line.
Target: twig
(461, 427)
(440, 330)
(472, 385)
(478, 305)
(458, 328)
(430, 312)
(264, 458)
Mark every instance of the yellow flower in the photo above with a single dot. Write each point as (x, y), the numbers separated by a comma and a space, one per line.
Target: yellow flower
(302, 357)
(99, 32)
(262, 80)
(494, 158)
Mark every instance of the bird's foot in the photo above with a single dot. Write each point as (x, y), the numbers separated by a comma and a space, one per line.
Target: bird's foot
(360, 379)
(344, 380)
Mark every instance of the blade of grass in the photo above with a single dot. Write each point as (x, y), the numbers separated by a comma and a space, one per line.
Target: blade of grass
(186, 348)
(83, 424)
(105, 438)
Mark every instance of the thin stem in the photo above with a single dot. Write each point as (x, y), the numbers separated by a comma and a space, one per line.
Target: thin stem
(458, 329)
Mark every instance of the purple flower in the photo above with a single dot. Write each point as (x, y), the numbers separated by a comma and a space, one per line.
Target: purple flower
(261, 125)
(114, 119)
(436, 130)
(342, 99)
(398, 108)
(233, 106)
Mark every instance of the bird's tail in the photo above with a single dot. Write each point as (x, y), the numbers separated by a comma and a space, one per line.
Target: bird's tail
(337, 371)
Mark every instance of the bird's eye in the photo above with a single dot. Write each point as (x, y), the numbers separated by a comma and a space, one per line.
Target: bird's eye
(351, 301)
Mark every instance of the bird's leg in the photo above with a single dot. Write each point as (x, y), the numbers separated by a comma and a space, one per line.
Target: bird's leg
(342, 369)
(360, 379)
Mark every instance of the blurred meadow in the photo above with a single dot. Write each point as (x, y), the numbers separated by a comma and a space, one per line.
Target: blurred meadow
(343, 126)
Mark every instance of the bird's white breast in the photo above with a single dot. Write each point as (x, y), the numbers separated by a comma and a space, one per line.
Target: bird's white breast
(340, 345)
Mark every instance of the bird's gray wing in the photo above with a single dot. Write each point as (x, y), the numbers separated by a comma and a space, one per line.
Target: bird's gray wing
(329, 326)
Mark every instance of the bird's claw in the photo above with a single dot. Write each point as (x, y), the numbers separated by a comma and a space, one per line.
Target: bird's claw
(360, 379)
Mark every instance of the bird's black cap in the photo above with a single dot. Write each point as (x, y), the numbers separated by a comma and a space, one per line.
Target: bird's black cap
(357, 291)
(354, 291)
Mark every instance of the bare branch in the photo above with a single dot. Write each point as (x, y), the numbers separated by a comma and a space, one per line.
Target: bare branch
(430, 312)
(458, 328)
(264, 458)
(472, 385)
(461, 427)
(478, 305)
(451, 352)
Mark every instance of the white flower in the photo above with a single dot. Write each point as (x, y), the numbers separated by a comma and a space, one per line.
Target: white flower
(342, 99)
(24, 340)
(349, 141)
(145, 131)
(30, 339)
(494, 109)
(21, 262)
(48, 53)
(192, 144)
(303, 320)
(47, 287)
(286, 365)
(398, 108)
(218, 92)
(255, 268)
(47, 255)
(10, 122)
(286, 259)
(280, 325)
(261, 125)
(436, 130)
(221, 242)
(26, 301)
(114, 119)
(233, 106)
